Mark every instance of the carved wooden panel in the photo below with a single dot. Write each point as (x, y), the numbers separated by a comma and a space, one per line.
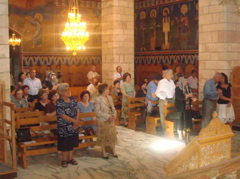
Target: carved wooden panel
(215, 152)
(213, 145)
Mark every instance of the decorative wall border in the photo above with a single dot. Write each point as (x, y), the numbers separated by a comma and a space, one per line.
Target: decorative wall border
(29, 60)
(81, 3)
(152, 3)
(167, 58)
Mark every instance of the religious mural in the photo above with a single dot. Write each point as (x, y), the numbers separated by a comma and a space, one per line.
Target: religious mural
(40, 24)
(172, 26)
(166, 34)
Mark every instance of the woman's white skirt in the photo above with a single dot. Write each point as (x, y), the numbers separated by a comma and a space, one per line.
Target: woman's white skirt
(225, 114)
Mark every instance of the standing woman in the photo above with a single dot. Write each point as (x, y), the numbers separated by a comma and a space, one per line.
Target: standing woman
(183, 98)
(106, 115)
(224, 104)
(66, 109)
(128, 90)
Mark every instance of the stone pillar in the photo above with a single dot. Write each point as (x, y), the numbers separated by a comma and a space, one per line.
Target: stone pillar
(117, 37)
(4, 47)
(219, 40)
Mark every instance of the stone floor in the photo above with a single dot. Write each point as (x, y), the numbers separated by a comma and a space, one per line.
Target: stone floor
(139, 158)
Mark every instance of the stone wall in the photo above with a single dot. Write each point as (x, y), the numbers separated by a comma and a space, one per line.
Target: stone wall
(219, 39)
(117, 37)
(4, 48)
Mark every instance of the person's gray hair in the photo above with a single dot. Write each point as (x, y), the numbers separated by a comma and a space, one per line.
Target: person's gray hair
(62, 87)
(217, 74)
(168, 71)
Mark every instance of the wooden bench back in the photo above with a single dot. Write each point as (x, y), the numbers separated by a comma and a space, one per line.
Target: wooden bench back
(76, 91)
(117, 100)
(197, 106)
(89, 114)
(134, 103)
(20, 110)
(34, 120)
(169, 108)
(156, 107)
(29, 114)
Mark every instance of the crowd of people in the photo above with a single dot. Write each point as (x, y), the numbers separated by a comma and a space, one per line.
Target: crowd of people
(55, 99)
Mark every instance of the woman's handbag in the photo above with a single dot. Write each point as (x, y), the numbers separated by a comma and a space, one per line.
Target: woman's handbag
(23, 134)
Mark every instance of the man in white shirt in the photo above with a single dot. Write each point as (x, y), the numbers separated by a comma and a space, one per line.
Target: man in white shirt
(193, 82)
(118, 75)
(92, 73)
(165, 92)
(92, 88)
(34, 83)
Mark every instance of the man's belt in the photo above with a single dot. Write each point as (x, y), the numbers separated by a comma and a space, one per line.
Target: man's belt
(210, 99)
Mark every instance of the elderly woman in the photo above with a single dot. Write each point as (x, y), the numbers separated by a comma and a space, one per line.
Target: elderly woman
(183, 98)
(19, 101)
(66, 109)
(106, 114)
(128, 90)
(42, 102)
(86, 106)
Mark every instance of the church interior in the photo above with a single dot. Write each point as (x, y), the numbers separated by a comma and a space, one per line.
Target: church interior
(144, 38)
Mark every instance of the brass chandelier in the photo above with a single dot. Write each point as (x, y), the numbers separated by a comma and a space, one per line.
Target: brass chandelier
(14, 41)
(236, 2)
(74, 35)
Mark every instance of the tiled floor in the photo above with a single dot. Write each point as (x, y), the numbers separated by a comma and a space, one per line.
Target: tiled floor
(138, 159)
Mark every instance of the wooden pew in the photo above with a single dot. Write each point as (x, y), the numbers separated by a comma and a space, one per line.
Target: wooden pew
(197, 106)
(44, 142)
(169, 109)
(23, 110)
(76, 91)
(117, 101)
(133, 113)
(153, 121)
(39, 139)
(27, 115)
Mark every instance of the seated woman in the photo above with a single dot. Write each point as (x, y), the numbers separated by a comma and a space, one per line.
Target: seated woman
(86, 106)
(12, 93)
(106, 115)
(42, 102)
(21, 78)
(143, 90)
(116, 90)
(183, 98)
(26, 94)
(19, 101)
(50, 108)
